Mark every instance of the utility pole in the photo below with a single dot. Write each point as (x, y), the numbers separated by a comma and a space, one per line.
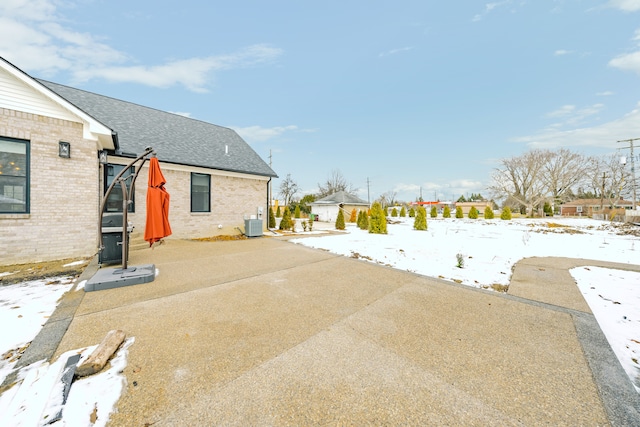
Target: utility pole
(368, 197)
(270, 193)
(604, 176)
(633, 169)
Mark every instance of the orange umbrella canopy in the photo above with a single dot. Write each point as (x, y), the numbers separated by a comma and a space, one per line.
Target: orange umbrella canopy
(157, 226)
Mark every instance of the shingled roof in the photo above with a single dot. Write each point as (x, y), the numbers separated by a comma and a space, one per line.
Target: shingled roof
(175, 138)
(340, 197)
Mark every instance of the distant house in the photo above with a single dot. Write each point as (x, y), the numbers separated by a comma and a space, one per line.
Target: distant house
(439, 205)
(326, 209)
(480, 205)
(596, 208)
(52, 182)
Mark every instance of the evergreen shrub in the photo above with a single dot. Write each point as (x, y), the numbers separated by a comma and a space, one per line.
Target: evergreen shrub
(285, 222)
(420, 223)
(459, 213)
(506, 213)
(378, 221)
(488, 212)
(340, 221)
(473, 213)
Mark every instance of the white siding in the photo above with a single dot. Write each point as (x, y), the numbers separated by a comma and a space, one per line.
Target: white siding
(15, 95)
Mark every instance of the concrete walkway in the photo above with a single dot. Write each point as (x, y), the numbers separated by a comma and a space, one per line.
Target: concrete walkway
(265, 332)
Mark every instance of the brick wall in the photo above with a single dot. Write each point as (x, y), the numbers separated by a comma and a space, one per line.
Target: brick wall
(232, 198)
(64, 193)
(65, 196)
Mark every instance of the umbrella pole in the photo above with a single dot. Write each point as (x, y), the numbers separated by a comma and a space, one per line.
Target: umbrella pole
(125, 223)
(126, 201)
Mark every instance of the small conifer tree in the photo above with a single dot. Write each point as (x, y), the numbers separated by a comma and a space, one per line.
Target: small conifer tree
(473, 213)
(378, 221)
(446, 213)
(488, 212)
(272, 218)
(459, 213)
(412, 212)
(285, 222)
(354, 214)
(506, 213)
(296, 212)
(340, 221)
(434, 212)
(394, 212)
(278, 213)
(403, 212)
(420, 222)
(365, 220)
(547, 209)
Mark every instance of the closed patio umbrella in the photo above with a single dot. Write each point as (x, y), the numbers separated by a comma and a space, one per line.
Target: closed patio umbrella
(157, 226)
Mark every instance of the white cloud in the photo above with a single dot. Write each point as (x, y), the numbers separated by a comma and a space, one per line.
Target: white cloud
(260, 134)
(627, 62)
(602, 136)
(562, 111)
(488, 7)
(395, 51)
(626, 5)
(571, 116)
(605, 93)
(562, 52)
(33, 37)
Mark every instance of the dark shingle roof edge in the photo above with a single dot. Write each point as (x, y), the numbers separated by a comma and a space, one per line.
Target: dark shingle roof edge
(175, 138)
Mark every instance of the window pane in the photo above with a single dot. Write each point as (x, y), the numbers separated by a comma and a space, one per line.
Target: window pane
(114, 201)
(200, 192)
(14, 176)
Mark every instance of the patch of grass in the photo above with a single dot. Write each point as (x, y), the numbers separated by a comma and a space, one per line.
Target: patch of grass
(556, 225)
(41, 270)
(499, 288)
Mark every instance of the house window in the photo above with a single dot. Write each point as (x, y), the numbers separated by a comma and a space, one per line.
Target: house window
(14, 175)
(114, 202)
(200, 192)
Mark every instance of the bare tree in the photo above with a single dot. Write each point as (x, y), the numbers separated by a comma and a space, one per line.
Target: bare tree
(387, 198)
(335, 183)
(288, 189)
(609, 179)
(521, 180)
(562, 171)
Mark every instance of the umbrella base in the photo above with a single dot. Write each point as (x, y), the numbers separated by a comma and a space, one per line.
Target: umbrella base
(109, 278)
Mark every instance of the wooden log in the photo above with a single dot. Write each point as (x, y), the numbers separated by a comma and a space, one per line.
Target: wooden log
(101, 354)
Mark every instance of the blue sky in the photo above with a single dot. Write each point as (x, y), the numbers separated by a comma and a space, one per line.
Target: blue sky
(410, 95)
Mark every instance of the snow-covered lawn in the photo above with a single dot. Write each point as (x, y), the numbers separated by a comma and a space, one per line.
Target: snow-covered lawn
(488, 250)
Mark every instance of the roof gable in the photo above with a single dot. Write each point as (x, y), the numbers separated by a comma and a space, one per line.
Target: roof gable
(21, 92)
(174, 138)
(341, 197)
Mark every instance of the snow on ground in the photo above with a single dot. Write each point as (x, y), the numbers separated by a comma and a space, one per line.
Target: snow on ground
(490, 248)
(24, 309)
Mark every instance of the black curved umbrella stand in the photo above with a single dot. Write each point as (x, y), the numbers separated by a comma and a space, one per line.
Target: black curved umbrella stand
(109, 278)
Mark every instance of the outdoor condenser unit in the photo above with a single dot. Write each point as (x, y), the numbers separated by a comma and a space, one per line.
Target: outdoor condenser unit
(253, 227)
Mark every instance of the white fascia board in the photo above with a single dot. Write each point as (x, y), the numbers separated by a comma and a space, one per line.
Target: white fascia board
(93, 129)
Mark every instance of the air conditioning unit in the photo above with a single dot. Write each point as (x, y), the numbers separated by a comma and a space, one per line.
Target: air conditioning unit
(253, 227)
